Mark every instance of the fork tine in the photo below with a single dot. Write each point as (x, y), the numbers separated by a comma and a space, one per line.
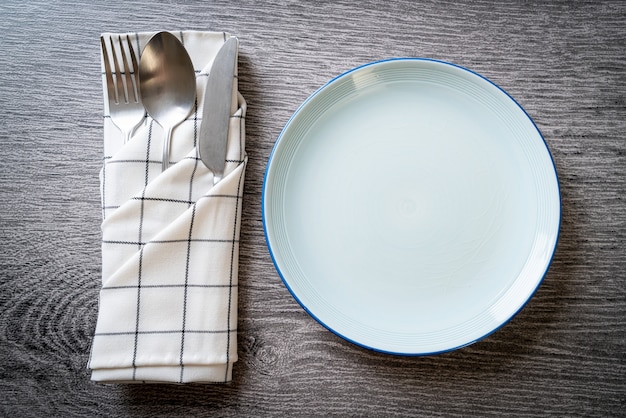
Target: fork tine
(119, 87)
(107, 70)
(133, 60)
(129, 81)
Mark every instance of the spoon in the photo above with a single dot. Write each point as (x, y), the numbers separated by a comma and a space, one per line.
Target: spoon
(167, 84)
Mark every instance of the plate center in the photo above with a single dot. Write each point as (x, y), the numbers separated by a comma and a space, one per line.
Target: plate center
(399, 212)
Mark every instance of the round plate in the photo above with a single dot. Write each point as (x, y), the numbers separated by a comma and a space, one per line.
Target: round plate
(411, 206)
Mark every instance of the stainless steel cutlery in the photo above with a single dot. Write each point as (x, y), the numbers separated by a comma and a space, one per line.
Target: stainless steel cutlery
(125, 108)
(167, 84)
(164, 85)
(216, 114)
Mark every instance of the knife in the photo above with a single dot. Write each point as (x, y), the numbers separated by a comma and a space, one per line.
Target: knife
(216, 113)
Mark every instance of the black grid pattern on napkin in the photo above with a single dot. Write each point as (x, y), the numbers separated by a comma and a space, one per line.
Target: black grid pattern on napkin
(151, 166)
(170, 254)
(141, 290)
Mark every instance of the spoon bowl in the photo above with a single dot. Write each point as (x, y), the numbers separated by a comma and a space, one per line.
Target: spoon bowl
(167, 84)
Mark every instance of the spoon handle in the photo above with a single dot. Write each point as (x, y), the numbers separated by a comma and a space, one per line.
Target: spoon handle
(166, 149)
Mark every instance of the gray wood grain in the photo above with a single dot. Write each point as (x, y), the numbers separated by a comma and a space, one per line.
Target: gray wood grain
(564, 354)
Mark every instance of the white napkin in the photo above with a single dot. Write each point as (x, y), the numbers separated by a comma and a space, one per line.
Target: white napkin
(170, 245)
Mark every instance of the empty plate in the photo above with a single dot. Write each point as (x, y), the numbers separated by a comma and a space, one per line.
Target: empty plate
(411, 206)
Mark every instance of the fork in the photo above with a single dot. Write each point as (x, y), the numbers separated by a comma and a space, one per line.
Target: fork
(125, 108)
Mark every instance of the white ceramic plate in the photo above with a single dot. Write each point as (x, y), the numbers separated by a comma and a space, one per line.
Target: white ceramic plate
(411, 206)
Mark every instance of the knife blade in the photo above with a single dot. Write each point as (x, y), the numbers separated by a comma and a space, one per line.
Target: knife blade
(216, 113)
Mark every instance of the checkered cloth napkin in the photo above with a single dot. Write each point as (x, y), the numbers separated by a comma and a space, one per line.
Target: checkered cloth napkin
(170, 246)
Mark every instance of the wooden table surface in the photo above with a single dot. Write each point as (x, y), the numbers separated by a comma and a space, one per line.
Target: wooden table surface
(563, 354)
